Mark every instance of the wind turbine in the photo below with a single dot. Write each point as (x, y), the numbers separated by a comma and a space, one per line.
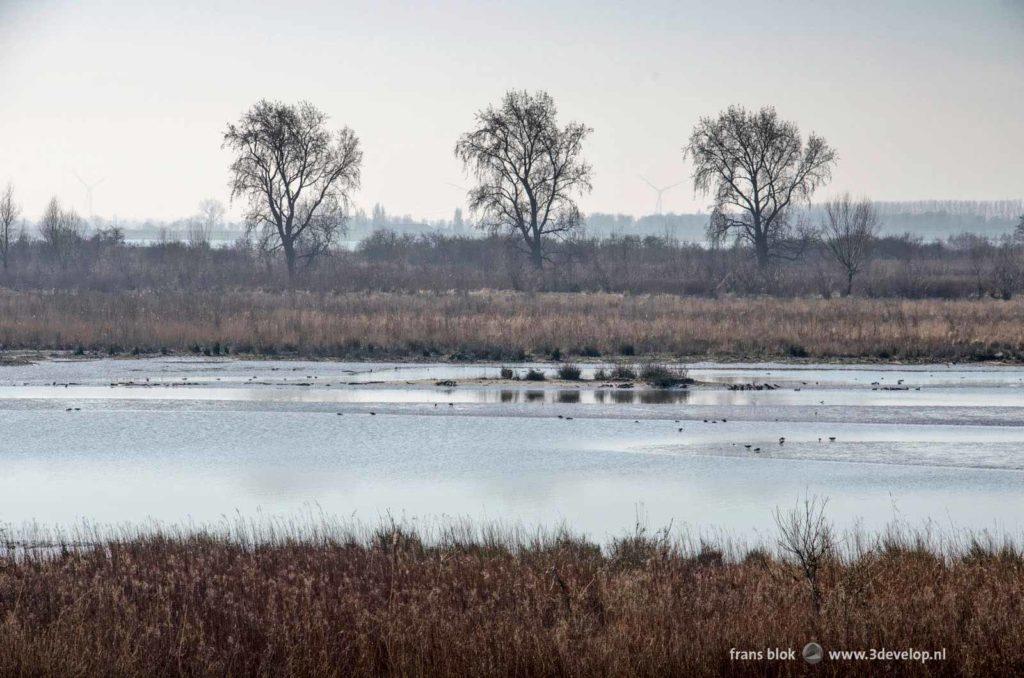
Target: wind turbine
(88, 190)
(660, 191)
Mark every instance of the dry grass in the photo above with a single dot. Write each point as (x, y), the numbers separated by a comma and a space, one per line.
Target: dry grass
(509, 326)
(484, 602)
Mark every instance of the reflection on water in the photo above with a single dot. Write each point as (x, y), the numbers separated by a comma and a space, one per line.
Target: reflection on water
(318, 392)
(583, 397)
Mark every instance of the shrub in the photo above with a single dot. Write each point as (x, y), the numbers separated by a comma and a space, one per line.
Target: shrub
(507, 373)
(640, 548)
(796, 351)
(569, 372)
(623, 373)
(663, 376)
(534, 375)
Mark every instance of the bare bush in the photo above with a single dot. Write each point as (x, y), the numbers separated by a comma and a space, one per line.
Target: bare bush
(569, 372)
(805, 535)
(664, 376)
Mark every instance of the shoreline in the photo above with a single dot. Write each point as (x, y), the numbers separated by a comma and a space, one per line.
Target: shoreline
(23, 356)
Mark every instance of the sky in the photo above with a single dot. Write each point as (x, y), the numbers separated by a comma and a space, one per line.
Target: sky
(923, 99)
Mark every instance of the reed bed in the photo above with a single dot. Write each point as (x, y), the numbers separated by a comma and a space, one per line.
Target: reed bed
(511, 326)
(301, 600)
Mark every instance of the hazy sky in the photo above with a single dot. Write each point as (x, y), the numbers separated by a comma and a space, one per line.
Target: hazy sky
(923, 98)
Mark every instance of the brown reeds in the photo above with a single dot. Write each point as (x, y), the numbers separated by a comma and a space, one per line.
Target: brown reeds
(483, 602)
(510, 326)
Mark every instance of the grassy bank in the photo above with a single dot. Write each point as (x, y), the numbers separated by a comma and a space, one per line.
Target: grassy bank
(510, 326)
(479, 602)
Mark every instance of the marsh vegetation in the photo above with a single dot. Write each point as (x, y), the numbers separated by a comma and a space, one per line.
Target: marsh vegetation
(508, 326)
(317, 599)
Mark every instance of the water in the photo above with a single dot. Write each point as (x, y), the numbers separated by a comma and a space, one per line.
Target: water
(192, 440)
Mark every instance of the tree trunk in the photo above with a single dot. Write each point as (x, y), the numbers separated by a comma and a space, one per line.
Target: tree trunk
(761, 249)
(536, 255)
(289, 257)
(849, 283)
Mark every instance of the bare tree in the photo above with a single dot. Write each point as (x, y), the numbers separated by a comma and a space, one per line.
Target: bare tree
(759, 169)
(528, 170)
(202, 225)
(1018, 232)
(61, 230)
(849, 230)
(9, 213)
(296, 175)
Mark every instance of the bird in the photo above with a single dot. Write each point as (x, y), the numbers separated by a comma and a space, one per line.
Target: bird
(757, 449)
(831, 439)
(747, 446)
(782, 440)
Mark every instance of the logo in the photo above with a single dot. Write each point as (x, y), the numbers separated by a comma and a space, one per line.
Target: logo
(813, 653)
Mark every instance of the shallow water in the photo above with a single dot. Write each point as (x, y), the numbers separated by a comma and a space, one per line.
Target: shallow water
(197, 439)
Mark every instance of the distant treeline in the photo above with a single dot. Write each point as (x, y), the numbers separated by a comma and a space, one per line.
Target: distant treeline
(927, 219)
(965, 266)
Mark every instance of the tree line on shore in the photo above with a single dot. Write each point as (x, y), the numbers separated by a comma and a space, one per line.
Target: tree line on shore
(963, 267)
(295, 177)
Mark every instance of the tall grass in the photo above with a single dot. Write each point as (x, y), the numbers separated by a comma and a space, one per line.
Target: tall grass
(509, 326)
(299, 599)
